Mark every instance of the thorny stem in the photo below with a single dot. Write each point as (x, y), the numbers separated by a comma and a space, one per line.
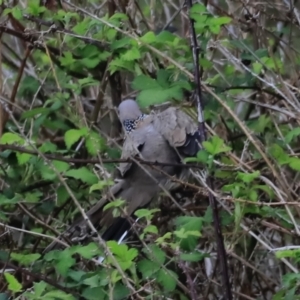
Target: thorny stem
(202, 131)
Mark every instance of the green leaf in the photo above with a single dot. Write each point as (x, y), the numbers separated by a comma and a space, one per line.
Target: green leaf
(34, 8)
(81, 27)
(23, 158)
(111, 34)
(148, 38)
(215, 29)
(215, 145)
(257, 67)
(188, 230)
(292, 134)
(151, 229)
(193, 256)
(17, 13)
(67, 59)
(260, 124)
(120, 292)
(238, 214)
(143, 82)
(94, 143)
(63, 260)
(85, 82)
(13, 284)
(123, 254)
(119, 17)
(25, 259)
(278, 153)
(198, 9)
(62, 195)
(147, 213)
(190, 159)
(183, 234)
(294, 163)
(205, 63)
(100, 185)
(89, 51)
(155, 254)
(48, 147)
(10, 138)
(203, 156)
(120, 64)
(90, 62)
(115, 203)
(92, 281)
(84, 174)
(58, 294)
(166, 36)
(9, 201)
(167, 279)
(61, 166)
(163, 78)
(147, 268)
(161, 240)
(72, 136)
(35, 111)
(120, 43)
(46, 172)
(158, 96)
(265, 188)
(94, 293)
(33, 197)
(291, 253)
(28, 88)
(201, 21)
(208, 217)
(89, 251)
(219, 21)
(39, 288)
(253, 196)
(131, 54)
(248, 177)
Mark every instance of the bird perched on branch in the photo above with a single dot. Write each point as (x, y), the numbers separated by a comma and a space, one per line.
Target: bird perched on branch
(165, 138)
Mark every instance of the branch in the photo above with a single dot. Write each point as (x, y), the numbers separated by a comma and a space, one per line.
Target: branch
(95, 161)
(41, 277)
(202, 131)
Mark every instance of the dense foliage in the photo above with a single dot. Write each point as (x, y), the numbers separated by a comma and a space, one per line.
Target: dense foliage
(65, 65)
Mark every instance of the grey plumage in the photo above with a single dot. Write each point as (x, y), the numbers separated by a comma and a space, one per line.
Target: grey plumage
(162, 137)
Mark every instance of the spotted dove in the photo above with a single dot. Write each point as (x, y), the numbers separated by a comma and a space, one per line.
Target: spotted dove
(163, 137)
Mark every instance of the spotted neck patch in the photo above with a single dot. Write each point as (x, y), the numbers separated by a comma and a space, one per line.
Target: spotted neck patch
(131, 125)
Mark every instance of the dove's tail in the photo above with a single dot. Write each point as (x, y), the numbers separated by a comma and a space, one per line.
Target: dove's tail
(191, 145)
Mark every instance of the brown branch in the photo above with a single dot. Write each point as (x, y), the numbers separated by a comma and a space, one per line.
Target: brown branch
(209, 180)
(190, 283)
(30, 38)
(19, 76)
(100, 95)
(54, 28)
(95, 161)
(40, 277)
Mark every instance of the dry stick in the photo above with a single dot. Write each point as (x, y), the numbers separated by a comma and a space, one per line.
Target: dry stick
(18, 80)
(209, 181)
(100, 96)
(57, 240)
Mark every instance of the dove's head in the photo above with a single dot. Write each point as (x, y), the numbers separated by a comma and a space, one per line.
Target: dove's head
(129, 110)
